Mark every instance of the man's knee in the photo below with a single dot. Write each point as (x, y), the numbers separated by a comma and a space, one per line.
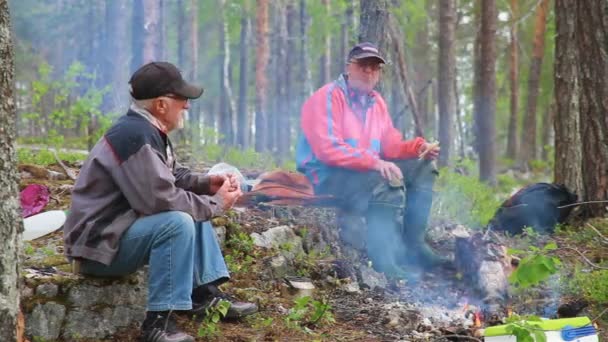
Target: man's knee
(418, 173)
(179, 223)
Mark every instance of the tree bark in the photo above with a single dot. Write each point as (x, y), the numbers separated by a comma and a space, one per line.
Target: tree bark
(487, 101)
(193, 67)
(446, 77)
(242, 125)
(325, 59)
(289, 111)
(11, 224)
(547, 133)
(261, 81)
(227, 105)
(512, 143)
(137, 35)
(182, 32)
(592, 35)
(374, 20)
(529, 146)
(151, 30)
(568, 152)
(115, 73)
(304, 23)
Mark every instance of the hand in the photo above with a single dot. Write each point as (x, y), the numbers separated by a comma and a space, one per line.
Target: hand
(429, 151)
(234, 182)
(388, 170)
(215, 183)
(228, 194)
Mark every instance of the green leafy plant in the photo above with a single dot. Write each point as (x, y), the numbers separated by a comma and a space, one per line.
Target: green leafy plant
(209, 327)
(523, 330)
(536, 266)
(308, 312)
(592, 285)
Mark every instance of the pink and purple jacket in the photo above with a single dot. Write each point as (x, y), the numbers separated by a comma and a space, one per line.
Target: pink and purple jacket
(334, 136)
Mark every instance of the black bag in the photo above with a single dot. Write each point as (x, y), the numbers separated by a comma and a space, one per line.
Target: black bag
(534, 206)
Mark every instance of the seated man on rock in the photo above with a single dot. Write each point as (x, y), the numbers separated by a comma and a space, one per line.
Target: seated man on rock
(134, 205)
(350, 149)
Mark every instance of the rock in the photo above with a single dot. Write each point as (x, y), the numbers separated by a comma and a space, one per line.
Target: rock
(314, 243)
(279, 267)
(88, 324)
(48, 290)
(26, 292)
(220, 234)
(371, 279)
(351, 287)
(45, 321)
(282, 238)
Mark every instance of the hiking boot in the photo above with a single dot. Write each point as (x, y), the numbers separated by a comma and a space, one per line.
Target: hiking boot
(209, 296)
(159, 326)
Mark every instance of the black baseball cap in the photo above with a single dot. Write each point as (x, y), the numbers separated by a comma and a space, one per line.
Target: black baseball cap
(365, 50)
(161, 78)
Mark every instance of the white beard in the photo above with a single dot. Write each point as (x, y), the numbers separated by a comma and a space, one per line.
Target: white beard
(183, 117)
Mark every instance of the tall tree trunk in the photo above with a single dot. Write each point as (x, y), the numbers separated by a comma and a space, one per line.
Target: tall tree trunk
(459, 123)
(304, 23)
(512, 143)
(446, 78)
(194, 53)
(374, 19)
(486, 115)
(345, 31)
(592, 35)
(325, 59)
(137, 35)
(11, 224)
(529, 146)
(261, 80)
(242, 125)
(227, 105)
(182, 32)
(423, 78)
(115, 73)
(151, 30)
(548, 118)
(289, 51)
(162, 31)
(568, 152)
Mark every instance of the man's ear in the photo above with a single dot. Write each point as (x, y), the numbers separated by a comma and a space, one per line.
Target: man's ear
(161, 105)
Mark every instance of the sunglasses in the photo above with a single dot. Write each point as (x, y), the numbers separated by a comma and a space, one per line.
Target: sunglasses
(177, 97)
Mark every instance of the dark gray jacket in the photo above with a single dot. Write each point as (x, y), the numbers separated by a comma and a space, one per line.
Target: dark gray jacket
(130, 173)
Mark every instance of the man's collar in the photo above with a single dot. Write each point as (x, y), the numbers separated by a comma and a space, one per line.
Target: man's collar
(148, 116)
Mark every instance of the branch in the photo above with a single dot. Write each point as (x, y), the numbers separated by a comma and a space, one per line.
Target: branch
(67, 171)
(599, 316)
(580, 203)
(586, 259)
(604, 239)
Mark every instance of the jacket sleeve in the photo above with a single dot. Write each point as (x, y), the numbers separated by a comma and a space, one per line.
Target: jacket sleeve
(189, 180)
(149, 187)
(322, 117)
(393, 146)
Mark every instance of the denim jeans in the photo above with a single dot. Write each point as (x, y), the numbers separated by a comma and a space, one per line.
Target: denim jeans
(182, 254)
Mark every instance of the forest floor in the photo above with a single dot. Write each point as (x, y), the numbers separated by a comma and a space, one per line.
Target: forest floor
(432, 308)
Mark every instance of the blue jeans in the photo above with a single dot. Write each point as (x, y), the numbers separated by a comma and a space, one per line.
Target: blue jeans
(182, 254)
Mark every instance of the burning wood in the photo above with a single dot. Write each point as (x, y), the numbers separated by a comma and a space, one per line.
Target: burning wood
(485, 265)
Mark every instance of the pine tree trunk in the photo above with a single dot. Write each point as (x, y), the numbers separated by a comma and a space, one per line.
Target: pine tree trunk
(137, 35)
(195, 110)
(261, 80)
(151, 30)
(304, 23)
(529, 147)
(374, 23)
(592, 35)
(182, 33)
(11, 224)
(423, 71)
(289, 51)
(115, 51)
(446, 77)
(512, 143)
(568, 151)
(486, 115)
(547, 134)
(227, 105)
(243, 127)
(325, 59)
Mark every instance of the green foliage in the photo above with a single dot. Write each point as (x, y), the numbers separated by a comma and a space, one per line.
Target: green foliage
(592, 285)
(535, 267)
(28, 248)
(46, 157)
(524, 330)
(309, 312)
(209, 327)
(242, 254)
(463, 199)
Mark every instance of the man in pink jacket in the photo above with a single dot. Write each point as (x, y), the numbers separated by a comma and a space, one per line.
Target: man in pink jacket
(350, 149)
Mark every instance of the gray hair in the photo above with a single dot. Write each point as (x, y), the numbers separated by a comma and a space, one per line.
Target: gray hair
(144, 104)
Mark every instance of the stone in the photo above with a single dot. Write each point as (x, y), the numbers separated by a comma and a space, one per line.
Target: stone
(88, 324)
(371, 279)
(282, 238)
(351, 287)
(314, 242)
(220, 234)
(47, 290)
(45, 321)
(279, 267)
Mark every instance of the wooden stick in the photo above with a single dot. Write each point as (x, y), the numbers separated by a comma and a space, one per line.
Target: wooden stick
(67, 171)
(586, 259)
(604, 239)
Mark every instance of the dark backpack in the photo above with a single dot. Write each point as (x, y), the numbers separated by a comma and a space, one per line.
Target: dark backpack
(536, 206)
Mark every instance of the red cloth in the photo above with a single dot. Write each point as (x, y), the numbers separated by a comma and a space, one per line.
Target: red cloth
(33, 199)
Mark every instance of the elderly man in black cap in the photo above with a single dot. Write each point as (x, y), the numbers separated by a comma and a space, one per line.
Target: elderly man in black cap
(350, 149)
(134, 205)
